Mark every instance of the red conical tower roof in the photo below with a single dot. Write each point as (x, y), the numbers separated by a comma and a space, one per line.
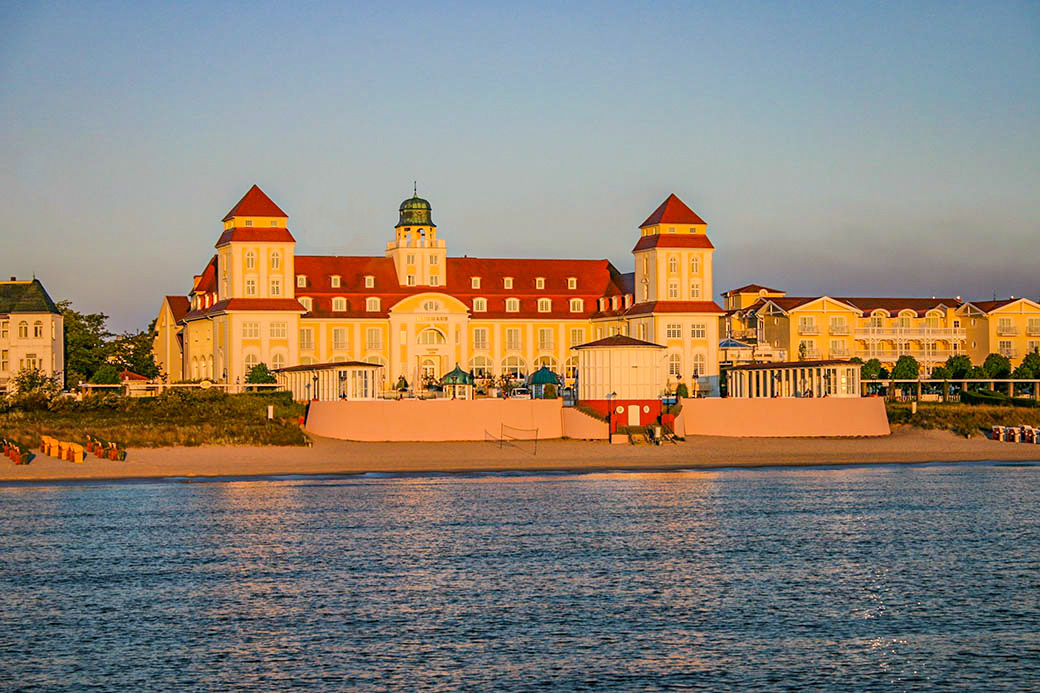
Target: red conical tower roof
(673, 211)
(255, 203)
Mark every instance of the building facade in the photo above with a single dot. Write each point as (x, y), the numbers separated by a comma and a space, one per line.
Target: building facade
(931, 330)
(32, 331)
(418, 313)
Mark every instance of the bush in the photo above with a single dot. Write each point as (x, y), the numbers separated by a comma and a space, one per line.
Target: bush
(106, 375)
(261, 374)
(984, 396)
(549, 391)
(681, 390)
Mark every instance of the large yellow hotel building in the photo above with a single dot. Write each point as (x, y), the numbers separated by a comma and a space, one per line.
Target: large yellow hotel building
(418, 312)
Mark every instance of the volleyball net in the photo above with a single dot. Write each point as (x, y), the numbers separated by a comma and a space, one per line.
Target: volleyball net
(525, 439)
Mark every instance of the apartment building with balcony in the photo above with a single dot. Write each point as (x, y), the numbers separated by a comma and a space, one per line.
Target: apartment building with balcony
(1010, 327)
(826, 327)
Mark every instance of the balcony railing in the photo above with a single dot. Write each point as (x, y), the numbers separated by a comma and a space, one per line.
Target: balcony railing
(808, 329)
(809, 355)
(892, 355)
(1009, 353)
(1033, 330)
(839, 330)
(1007, 331)
(911, 333)
(839, 353)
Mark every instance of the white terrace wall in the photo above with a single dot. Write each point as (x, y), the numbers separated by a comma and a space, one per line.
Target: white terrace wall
(811, 417)
(435, 420)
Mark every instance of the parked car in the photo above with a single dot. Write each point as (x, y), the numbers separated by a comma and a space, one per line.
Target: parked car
(520, 393)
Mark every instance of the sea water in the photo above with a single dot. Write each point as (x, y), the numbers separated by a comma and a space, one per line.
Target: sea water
(889, 577)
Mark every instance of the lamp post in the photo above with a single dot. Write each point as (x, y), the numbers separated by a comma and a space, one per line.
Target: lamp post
(610, 413)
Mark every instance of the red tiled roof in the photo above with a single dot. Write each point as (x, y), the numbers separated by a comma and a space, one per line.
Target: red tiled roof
(867, 304)
(255, 204)
(675, 307)
(179, 306)
(618, 340)
(988, 306)
(250, 304)
(673, 211)
(751, 288)
(207, 281)
(595, 278)
(255, 235)
(685, 240)
(130, 375)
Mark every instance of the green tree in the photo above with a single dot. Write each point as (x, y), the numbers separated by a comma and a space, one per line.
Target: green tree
(402, 384)
(871, 370)
(260, 373)
(940, 373)
(549, 391)
(958, 366)
(86, 346)
(682, 391)
(105, 375)
(975, 373)
(1023, 372)
(906, 368)
(33, 380)
(997, 366)
(133, 351)
(1032, 362)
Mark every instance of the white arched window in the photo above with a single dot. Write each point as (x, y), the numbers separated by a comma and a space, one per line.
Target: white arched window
(480, 366)
(372, 304)
(674, 365)
(673, 264)
(695, 265)
(431, 307)
(544, 305)
(250, 259)
(339, 304)
(37, 329)
(307, 303)
(431, 336)
(545, 362)
(513, 367)
(278, 361)
(276, 260)
(251, 362)
(512, 305)
(23, 330)
(700, 365)
(480, 305)
(570, 369)
(577, 305)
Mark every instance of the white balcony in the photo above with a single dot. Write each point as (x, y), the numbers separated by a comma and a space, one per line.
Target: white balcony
(1009, 353)
(839, 353)
(809, 355)
(1033, 330)
(916, 333)
(921, 355)
(1007, 331)
(808, 329)
(839, 330)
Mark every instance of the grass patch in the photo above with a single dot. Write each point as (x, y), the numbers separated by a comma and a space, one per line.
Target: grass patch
(175, 418)
(964, 419)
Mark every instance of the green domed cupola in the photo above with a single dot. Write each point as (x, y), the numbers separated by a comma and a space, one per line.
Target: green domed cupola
(415, 211)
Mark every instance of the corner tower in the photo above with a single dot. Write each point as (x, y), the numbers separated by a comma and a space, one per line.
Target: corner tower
(673, 257)
(419, 256)
(255, 251)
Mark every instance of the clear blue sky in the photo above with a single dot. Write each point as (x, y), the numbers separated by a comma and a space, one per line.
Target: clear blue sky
(842, 148)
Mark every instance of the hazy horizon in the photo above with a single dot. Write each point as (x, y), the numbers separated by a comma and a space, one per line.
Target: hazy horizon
(852, 149)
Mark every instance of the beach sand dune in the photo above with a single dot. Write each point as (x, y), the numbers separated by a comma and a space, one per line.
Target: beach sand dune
(343, 457)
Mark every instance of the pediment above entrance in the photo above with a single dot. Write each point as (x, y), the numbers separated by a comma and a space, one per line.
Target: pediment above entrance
(429, 302)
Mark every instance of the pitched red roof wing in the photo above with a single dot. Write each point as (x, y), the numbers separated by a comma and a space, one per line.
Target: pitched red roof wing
(686, 240)
(255, 203)
(673, 211)
(179, 306)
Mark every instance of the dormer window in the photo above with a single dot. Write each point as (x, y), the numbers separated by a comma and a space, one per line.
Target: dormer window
(572, 282)
(628, 300)
(474, 282)
(602, 303)
(613, 302)
(544, 305)
(249, 222)
(372, 304)
(512, 305)
(307, 303)
(335, 281)
(273, 223)
(577, 305)
(539, 283)
(301, 281)
(507, 282)
(339, 304)
(480, 305)
(370, 281)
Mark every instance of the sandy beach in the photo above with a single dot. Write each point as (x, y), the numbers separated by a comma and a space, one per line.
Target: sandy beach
(905, 445)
